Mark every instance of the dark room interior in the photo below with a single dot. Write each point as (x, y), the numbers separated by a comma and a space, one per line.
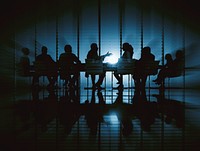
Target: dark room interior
(160, 116)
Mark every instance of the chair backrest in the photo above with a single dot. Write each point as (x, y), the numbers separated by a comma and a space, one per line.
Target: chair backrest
(93, 66)
(151, 67)
(126, 66)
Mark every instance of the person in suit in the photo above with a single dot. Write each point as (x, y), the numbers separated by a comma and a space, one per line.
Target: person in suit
(45, 60)
(140, 75)
(69, 66)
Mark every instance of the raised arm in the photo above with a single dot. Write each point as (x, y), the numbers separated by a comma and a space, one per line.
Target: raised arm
(105, 55)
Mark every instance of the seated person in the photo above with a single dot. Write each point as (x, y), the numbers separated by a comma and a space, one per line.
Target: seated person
(45, 65)
(140, 75)
(128, 54)
(67, 66)
(172, 68)
(93, 54)
(24, 63)
(169, 61)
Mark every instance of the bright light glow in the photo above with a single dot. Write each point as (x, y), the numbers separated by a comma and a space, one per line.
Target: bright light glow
(112, 59)
(113, 119)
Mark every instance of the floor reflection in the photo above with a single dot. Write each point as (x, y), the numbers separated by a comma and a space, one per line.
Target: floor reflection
(102, 120)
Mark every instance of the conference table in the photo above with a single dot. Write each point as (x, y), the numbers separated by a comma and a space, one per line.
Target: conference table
(99, 67)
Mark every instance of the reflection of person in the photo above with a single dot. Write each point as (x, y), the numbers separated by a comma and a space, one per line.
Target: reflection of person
(140, 76)
(174, 69)
(68, 112)
(173, 110)
(48, 64)
(93, 54)
(69, 66)
(44, 109)
(128, 54)
(24, 64)
(123, 115)
(145, 110)
(94, 112)
(147, 115)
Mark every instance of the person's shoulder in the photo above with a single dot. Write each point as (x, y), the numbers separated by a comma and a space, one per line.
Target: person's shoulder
(90, 51)
(62, 54)
(72, 54)
(38, 56)
(152, 54)
(48, 55)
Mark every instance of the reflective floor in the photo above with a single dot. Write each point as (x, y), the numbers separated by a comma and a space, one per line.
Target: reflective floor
(108, 119)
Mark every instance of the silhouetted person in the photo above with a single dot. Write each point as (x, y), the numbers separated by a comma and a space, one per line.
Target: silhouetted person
(93, 54)
(168, 65)
(24, 63)
(173, 70)
(69, 65)
(140, 75)
(45, 65)
(128, 54)
(169, 60)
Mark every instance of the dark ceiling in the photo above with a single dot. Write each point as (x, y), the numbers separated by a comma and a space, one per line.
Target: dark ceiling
(23, 11)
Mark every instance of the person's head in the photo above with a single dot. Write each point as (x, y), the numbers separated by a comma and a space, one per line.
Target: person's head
(126, 46)
(25, 51)
(179, 54)
(94, 46)
(168, 56)
(44, 50)
(146, 50)
(68, 48)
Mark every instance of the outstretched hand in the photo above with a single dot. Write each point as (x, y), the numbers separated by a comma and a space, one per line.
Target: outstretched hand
(108, 54)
